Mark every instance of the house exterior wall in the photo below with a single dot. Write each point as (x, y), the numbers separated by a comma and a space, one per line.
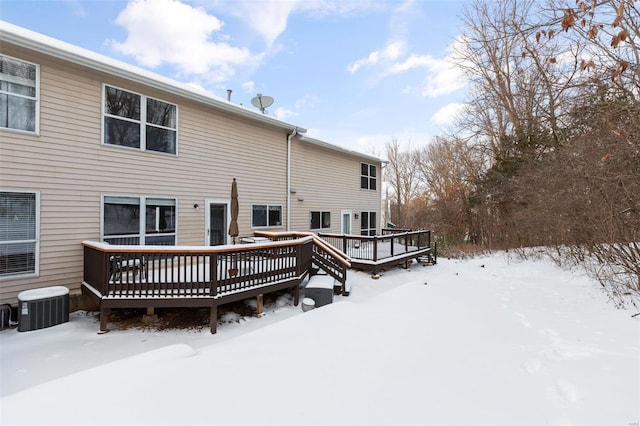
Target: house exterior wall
(71, 170)
(329, 180)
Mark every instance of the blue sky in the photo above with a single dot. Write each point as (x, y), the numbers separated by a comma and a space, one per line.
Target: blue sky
(355, 73)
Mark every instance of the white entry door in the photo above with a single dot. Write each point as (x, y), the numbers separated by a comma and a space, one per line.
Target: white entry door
(346, 222)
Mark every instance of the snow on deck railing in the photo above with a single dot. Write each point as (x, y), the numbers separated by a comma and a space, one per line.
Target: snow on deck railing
(187, 271)
(326, 257)
(379, 247)
(284, 236)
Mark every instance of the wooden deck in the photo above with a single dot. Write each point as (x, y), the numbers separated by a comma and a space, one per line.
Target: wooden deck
(130, 276)
(376, 253)
(125, 276)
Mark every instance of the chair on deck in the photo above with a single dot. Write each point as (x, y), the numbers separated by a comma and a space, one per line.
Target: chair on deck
(117, 266)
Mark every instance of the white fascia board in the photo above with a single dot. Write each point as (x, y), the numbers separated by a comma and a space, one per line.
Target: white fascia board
(22, 37)
(333, 147)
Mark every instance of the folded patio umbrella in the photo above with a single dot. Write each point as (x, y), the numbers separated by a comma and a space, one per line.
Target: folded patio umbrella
(233, 226)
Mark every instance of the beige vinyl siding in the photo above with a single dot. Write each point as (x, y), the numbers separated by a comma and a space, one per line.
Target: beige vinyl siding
(329, 180)
(70, 168)
(67, 164)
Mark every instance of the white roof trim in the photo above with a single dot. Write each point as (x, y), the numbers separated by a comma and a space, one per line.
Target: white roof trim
(23, 37)
(328, 145)
(40, 43)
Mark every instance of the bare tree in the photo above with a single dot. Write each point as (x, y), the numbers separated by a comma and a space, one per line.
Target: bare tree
(402, 175)
(520, 84)
(520, 99)
(606, 35)
(554, 102)
(450, 168)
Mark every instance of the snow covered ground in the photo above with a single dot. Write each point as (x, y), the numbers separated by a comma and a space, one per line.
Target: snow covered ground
(490, 340)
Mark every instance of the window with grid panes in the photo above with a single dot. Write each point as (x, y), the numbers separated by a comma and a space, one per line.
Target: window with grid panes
(368, 179)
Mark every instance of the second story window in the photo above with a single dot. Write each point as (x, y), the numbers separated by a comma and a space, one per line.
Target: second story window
(18, 94)
(140, 122)
(367, 176)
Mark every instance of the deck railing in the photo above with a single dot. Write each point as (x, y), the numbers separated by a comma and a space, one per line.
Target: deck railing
(324, 256)
(386, 231)
(122, 271)
(379, 247)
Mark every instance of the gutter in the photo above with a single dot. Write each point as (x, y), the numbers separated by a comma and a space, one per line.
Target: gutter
(289, 137)
(333, 147)
(22, 37)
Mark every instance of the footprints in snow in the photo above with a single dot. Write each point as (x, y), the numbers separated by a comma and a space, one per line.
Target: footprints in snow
(523, 320)
(565, 391)
(559, 390)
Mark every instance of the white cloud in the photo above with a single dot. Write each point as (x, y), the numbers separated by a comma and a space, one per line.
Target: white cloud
(448, 113)
(371, 143)
(308, 101)
(414, 61)
(442, 78)
(269, 18)
(191, 39)
(337, 7)
(445, 76)
(391, 52)
(284, 114)
(396, 46)
(170, 32)
(249, 86)
(76, 8)
(441, 74)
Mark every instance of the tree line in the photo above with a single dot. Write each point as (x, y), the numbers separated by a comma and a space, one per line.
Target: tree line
(546, 152)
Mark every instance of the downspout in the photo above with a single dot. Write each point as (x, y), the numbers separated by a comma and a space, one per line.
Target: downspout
(289, 137)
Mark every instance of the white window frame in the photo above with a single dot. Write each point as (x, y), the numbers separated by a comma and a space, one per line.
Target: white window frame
(36, 130)
(36, 271)
(142, 234)
(368, 176)
(321, 213)
(142, 121)
(268, 207)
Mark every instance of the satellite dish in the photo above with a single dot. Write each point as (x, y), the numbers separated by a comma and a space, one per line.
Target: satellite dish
(262, 102)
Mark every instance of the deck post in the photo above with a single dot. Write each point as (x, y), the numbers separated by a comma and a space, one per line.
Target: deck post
(213, 322)
(296, 295)
(392, 251)
(260, 306)
(104, 317)
(213, 274)
(375, 249)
